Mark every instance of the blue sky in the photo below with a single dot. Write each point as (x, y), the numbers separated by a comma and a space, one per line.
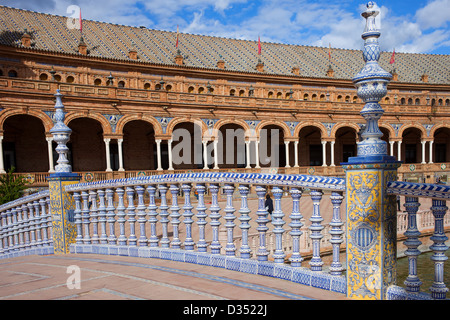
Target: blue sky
(418, 26)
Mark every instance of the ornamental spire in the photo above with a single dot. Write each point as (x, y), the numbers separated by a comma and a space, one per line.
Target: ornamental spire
(371, 83)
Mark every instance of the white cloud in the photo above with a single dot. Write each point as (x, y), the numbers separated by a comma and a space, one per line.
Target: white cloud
(434, 15)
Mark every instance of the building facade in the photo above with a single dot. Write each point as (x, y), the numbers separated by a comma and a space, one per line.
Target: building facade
(132, 98)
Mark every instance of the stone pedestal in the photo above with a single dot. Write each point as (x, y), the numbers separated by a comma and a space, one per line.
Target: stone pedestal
(62, 211)
(371, 229)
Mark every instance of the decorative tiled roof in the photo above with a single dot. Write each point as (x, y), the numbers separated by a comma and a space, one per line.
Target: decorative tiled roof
(106, 40)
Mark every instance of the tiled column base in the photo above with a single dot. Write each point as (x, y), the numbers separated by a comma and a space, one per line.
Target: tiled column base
(27, 252)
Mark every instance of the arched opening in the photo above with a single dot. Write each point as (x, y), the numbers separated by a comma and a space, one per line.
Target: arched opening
(441, 147)
(24, 144)
(139, 146)
(12, 73)
(411, 145)
(186, 146)
(272, 151)
(231, 146)
(70, 79)
(86, 145)
(310, 147)
(345, 145)
(43, 77)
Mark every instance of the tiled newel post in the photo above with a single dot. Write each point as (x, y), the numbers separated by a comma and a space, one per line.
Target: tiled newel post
(371, 214)
(61, 203)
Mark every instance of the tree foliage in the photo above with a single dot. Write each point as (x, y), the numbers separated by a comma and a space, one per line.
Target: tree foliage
(11, 186)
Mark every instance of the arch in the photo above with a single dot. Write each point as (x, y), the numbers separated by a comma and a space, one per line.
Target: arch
(46, 120)
(337, 126)
(127, 118)
(407, 126)
(284, 126)
(174, 122)
(389, 129)
(320, 126)
(139, 145)
(106, 127)
(437, 127)
(223, 122)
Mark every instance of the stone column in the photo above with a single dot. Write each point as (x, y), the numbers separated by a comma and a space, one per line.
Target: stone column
(108, 157)
(216, 153)
(431, 152)
(50, 155)
(2, 166)
(399, 150)
(158, 153)
(205, 154)
(257, 166)
(296, 154)
(324, 153)
(391, 148)
(169, 151)
(423, 151)
(247, 152)
(286, 143)
(332, 153)
(119, 146)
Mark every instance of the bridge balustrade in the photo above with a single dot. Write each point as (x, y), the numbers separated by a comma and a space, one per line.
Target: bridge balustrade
(26, 226)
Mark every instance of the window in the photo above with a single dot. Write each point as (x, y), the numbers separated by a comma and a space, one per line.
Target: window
(279, 95)
(57, 77)
(201, 90)
(417, 101)
(1, 73)
(191, 90)
(169, 87)
(147, 86)
(70, 79)
(402, 101)
(447, 102)
(410, 101)
(339, 98)
(232, 92)
(97, 82)
(12, 73)
(347, 99)
(270, 95)
(305, 96)
(121, 84)
(241, 93)
(314, 97)
(43, 76)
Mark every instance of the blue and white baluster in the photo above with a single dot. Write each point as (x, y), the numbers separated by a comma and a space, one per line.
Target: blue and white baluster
(94, 213)
(77, 217)
(336, 233)
(9, 231)
(2, 235)
(201, 217)
(85, 217)
(44, 214)
(215, 216)
(122, 239)
(438, 289)
(152, 213)
(175, 215)
(141, 216)
(38, 223)
(245, 250)
(316, 262)
(296, 225)
(187, 214)
(230, 248)
(15, 229)
(132, 239)
(31, 219)
(49, 219)
(111, 216)
(277, 221)
(26, 224)
(262, 253)
(20, 227)
(102, 216)
(165, 241)
(412, 242)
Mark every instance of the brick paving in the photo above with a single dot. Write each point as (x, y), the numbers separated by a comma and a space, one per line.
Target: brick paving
(127, 278)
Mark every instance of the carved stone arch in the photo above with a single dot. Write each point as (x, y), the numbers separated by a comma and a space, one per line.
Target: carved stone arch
(437, 127)
(238, 122)
(262, 124)
(389, 129)
(337, 126)
(46, 120)
(127, 118)
(416, 126)
(106, 127)
(304, 124)
(174, 122)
